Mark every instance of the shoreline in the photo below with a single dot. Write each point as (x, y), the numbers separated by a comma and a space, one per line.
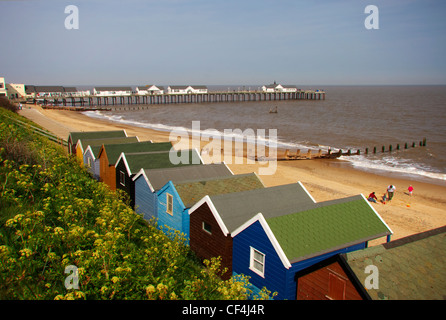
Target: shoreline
(325, 179)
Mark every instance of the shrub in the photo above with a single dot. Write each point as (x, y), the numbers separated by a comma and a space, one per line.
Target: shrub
(8, 105)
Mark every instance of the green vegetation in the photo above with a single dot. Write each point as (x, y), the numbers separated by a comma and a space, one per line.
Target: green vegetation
(53, 215)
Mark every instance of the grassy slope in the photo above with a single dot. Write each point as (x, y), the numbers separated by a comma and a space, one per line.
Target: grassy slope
(54, 215)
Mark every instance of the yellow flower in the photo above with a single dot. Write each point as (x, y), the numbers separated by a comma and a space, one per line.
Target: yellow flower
(150, 290)
(173, 296)
(161, 286)
(26, 252)
(115, 279)
(58, 230)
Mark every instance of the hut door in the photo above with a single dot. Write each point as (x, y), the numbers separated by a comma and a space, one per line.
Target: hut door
(336, 287)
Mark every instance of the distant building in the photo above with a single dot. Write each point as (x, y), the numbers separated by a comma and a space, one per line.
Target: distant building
(79, 93)
(3, 91)
(279, 88)
(30, 91)
(33, 92)
(49, 91)
(15, 90)
(149, 90)
(75, 92)
(186, 89)
(112, 91)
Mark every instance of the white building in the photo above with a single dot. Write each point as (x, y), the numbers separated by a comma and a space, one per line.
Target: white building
(15, 90)
(279, 88)
(149, 90)
(112, 91)
(186, 89)
(3, 91)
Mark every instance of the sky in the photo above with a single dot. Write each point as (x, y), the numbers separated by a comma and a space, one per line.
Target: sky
(223, 42)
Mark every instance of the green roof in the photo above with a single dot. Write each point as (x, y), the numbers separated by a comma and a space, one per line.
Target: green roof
(97, 143)
(115, 150)
(155, 160)
(96, 135)
(159, 177)
(192, 191)
(410, 268)
(329, 226)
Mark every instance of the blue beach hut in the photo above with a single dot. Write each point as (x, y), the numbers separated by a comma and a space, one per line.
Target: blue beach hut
(176, 198)
(148, 181)
(272, 249)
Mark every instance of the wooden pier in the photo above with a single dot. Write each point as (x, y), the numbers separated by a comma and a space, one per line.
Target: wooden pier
(155, 99)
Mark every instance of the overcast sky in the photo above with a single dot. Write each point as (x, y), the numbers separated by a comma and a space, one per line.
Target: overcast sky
(227, 42)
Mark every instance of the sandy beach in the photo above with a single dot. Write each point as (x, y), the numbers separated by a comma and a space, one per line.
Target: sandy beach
(324, 179)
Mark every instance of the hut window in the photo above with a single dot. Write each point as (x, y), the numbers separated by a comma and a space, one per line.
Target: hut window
(207, 227)
(89, 162)
(169, 204)
(122, 178)
(257, 262)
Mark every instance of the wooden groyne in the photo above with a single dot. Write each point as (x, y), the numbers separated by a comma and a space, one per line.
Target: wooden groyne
(129, 101)
(298, 154)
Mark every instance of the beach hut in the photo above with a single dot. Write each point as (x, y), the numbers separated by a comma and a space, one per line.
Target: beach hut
(109, 154)
(213, 219)
(82, 144)
(409, 268)
(73, 137)
(271, 249)
(176, 198)
(149, 181)
(329, 279)
(129, 164)
(91, 154)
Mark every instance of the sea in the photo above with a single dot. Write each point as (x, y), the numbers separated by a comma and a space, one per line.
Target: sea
(350, 118)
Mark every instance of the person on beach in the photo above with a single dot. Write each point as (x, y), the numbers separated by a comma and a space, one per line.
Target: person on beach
(390, 191)
(372, 197)
(410, 189)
